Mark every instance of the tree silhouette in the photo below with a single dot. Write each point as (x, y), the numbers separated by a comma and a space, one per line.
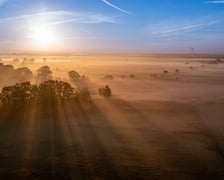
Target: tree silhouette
(17, 94)
(44, 74)
(16, 60)
(165, 71)
(56, 89)
(48, 91)
(73, 75)
(5, 95)
(23, 74)
(105, 91)
(108, 77)
(82, 95)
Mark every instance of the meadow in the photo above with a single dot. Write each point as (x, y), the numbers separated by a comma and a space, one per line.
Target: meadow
(163, 120)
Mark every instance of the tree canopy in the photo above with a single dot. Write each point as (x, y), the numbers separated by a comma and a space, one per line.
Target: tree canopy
(44, 74)
(105, 91)
(25, 93)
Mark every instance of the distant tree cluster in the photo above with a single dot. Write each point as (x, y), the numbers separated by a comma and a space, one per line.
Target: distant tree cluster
(75, 76)
(25, 93)
(105, 91)
(111, 77)
(26, 60)
(11, 75)
(216, 61)
(16, 60)
(108, 77)
(78, 80)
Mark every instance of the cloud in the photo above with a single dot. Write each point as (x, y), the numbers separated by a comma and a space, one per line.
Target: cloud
(214, 2)
(61, 17)
(116, 7)
(161, 30)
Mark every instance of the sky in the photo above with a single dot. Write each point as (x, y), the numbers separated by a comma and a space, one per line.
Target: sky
(109, 26)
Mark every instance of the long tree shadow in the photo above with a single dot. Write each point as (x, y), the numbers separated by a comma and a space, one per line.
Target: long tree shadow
(151, 140)
(54, 160)
(14, 139)
(107, 145)
(99, 163)
(67, 140)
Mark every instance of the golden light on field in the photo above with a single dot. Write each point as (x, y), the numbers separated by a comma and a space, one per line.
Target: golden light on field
(44, 37)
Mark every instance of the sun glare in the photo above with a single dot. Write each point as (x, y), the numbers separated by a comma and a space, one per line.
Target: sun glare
(44, 37)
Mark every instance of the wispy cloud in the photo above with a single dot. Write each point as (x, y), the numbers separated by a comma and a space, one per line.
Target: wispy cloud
(116, 7)
(214, 2)
(62, 17)
(162, 31)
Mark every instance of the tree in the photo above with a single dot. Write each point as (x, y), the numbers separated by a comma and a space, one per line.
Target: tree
(5, 95)
(16, 60)
(105, 91)
(73, 75)
(17, 94)
(24, 93)
(44, 74)
(56, 89)
(83, 95)
(23, 74)
(108, 77)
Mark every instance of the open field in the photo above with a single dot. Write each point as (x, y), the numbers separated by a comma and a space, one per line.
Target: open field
(156, 125)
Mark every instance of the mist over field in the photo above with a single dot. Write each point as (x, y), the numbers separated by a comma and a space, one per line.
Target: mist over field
(109, 89)
(162, 117)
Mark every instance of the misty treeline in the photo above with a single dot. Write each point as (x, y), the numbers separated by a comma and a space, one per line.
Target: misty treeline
(45, 88)
(10, 75)
(80, 80)
(25, 93)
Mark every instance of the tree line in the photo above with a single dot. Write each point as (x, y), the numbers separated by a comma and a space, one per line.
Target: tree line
(25, 93)
(46, 88)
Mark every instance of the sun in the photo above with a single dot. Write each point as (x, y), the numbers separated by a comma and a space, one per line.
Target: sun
(44, 37)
